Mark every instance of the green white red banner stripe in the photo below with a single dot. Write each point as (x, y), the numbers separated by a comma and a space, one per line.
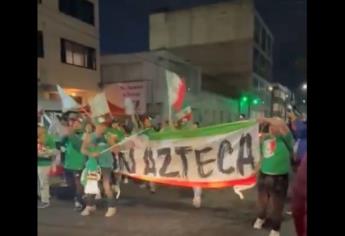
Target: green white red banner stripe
(211, 157)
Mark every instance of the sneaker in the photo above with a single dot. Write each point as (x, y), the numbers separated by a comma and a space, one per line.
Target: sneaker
(152, 187)
(117, 190)
(88, 210)
(42, 205)
(258, 223)
(110, 212)
(274, 233)
(125, 180)
(197, 202)
(92, 208)
(142, 185)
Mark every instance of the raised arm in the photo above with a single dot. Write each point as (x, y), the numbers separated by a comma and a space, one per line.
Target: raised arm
(85, 146)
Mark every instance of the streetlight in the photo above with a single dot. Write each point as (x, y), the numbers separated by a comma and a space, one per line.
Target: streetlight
(270, 88)
(303, 101)
(304, 86)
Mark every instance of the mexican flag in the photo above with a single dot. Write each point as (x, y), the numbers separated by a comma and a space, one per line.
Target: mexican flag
(185, 113)
(68, 103)
(99, 105)
(176, 90)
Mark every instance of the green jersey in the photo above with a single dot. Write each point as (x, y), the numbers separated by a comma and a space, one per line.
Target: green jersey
(98, 144)
(276, 155)
(74, 159)
(120, 135)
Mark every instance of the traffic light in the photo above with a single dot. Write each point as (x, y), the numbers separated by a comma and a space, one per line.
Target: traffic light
(244, 99)
(256, 101)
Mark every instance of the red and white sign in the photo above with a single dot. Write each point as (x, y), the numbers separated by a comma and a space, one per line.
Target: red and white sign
(136, 91)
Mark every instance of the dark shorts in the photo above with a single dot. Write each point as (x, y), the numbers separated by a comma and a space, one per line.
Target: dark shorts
(116, 161)
(273, 184)
(107, 174)
(71, 176)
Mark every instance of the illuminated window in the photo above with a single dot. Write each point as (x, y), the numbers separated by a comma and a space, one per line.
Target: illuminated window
(76, 54)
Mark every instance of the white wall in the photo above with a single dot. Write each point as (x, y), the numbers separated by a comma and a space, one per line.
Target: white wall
(51, 70)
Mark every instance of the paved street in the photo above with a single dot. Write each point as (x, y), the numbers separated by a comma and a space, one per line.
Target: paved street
(168, 212)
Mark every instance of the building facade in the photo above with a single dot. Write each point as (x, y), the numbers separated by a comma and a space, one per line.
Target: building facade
(68, 48)
(230, 43)
(150, 67)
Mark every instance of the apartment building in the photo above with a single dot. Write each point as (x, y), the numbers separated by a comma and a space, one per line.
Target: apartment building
(68, 49)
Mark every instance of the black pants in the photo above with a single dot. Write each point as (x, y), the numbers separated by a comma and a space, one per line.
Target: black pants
(272, 191)
(107, 182)
(73, 181)
(117, 177)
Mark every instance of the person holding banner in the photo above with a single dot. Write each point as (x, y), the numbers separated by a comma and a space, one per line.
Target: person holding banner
(115, 134)
(45, 152)
(196, 190)
(184, 124)
(75, 161)
(299, 129)
(274, 171)
(93, 146)
(147, 126)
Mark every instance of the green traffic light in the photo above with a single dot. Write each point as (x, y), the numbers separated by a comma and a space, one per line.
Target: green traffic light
(256, 101)
(244, 99)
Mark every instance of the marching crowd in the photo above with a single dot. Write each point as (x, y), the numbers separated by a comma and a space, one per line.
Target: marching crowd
(81, 144)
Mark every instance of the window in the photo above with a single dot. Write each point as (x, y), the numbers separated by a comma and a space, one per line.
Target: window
(256, 60)
(276, 93)
(263, 39)
(76, 54)
(257, 29)
(40, 48)
(276, 107)
(256, 84)
(80, 9)
(269, 45)
(221, 115)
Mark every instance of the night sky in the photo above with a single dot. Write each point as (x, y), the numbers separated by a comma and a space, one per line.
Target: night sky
(124, 29)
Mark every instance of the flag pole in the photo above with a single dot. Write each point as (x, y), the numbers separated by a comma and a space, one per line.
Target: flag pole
(170, 112)
(169, 101)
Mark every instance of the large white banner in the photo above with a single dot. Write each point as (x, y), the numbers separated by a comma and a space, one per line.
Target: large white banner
(136, 91)
(209, 161)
